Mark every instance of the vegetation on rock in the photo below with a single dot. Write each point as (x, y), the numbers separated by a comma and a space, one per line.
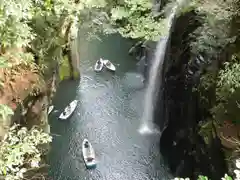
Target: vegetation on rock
(134, 19)
(226, 177)
(21, 151)
(217, 18)
(217, 40)
(36, 35)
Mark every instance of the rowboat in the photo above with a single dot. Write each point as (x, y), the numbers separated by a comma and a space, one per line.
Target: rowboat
(88, 154)
(67, 112)
(109, 65)
(99, 65)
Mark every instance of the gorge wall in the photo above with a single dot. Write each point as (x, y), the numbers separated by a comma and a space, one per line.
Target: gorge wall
(179, 111)
(28, 91)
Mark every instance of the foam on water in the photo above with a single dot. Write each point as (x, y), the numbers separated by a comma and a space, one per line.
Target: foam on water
(145, 129)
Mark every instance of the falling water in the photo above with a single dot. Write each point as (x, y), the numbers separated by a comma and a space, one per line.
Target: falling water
(155, 77)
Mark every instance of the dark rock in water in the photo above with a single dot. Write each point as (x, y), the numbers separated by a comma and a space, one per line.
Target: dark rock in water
(179, 110)
(143, 51)
(135, 49)
(143, 66)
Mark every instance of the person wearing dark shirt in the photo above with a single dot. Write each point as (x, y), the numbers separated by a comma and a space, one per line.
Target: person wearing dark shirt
(86, 145)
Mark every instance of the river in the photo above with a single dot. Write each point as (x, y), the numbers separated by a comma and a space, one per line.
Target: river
(109, 115)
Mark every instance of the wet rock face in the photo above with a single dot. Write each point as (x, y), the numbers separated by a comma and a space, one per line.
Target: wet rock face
(143, 52)
(158, 5)
(32, 111)
(178, 110)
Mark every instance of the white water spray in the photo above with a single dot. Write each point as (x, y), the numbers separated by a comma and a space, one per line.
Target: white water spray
(154, 77)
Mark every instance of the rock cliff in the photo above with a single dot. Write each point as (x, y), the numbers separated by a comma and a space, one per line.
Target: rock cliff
(179, 110)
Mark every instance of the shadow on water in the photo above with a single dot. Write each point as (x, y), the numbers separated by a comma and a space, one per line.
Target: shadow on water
(60, 128)
(68, 94)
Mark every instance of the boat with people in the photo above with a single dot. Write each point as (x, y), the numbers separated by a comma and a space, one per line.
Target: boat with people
(50, 108)
(88, 154)
(67, 112)
(99, 65)
(109, 65)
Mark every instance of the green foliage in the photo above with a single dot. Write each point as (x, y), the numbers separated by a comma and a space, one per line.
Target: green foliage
(45, 27)
(228, 91)
(16, 58)
(54, 23)
(4, 63)
(229, 79)
(21, 151)
(219, 29)
(217, 19)
(5, 111)
(207, 80)
(133, 19)
(64, 70)
(226, 177)
(14, 16)
(202, 177)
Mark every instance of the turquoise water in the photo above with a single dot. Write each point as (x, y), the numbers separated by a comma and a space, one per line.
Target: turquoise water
(109, 115)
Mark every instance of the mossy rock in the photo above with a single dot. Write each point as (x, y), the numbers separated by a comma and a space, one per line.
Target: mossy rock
(206, 131)
(65, 71)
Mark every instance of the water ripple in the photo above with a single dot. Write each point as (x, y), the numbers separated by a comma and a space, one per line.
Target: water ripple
(108, 114)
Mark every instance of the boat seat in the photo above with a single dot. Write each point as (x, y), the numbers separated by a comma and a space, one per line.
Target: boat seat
(89, 159)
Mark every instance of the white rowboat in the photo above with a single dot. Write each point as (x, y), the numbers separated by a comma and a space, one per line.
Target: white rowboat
(99, 65)
(68, 110)
(109, 65)
(88, 154)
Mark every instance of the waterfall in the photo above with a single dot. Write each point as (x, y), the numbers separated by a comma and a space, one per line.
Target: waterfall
(154, 78)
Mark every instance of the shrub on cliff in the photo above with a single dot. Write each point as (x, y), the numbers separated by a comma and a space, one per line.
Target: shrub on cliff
(5, 111)
(21, 151)
(134, 19)
(220, 90)
(227, 91)
(43, 28)
(226, 177)
(219, 25)
(217, 39)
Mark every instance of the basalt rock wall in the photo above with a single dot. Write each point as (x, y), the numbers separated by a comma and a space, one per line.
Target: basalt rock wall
(178, 109)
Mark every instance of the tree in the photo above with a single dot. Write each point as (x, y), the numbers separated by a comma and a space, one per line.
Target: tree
(42, 29)
(134, 19)
(218, 18)
(21, 151)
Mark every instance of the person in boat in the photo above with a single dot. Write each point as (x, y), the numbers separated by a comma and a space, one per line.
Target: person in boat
(68, 107)
(65, 110)
(108, 63)
(86, 144)
(98, 63)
